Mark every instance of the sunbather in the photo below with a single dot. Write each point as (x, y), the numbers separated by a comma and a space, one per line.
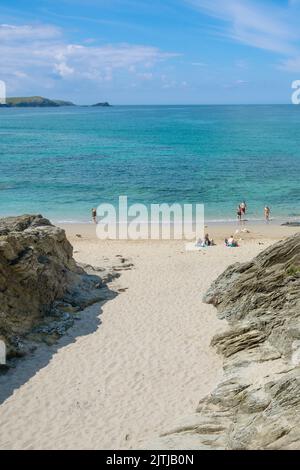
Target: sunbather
(207, 241)
(231, 242)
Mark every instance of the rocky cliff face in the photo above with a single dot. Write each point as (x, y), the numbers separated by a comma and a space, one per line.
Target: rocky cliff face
(257, 404)
(41, 287)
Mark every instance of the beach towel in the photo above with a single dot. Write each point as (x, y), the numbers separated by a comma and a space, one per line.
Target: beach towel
(194, 247)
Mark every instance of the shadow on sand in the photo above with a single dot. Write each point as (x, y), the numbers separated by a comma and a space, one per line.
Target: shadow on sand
(25, 368)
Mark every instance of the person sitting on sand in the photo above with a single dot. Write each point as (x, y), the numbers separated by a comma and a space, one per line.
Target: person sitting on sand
(207, 241)
(231, 242)
(204, 243)
(94, 215)
(200, 243)
(267, 214)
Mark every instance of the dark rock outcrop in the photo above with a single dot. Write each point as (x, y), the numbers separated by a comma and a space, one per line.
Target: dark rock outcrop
(291, 224)
(41, 286)
(257, 404)
(104, 104)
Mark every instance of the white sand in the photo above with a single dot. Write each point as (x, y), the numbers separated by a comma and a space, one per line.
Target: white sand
(118, 383)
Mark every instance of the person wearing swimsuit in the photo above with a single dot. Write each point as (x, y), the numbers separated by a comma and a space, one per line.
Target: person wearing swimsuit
(239, 213)
(94, 215)
(243, 207)
(267, 214)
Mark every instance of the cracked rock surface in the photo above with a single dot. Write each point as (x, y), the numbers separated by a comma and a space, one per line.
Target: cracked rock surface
(42, 289)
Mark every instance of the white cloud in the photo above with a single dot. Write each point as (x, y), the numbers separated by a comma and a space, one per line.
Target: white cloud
(20, 74)
(236, 84)
(166, 82)
(291, 65)
(257, 24)
(63, 69)
(242, 64)
(42, 54)
(145, 76)
(269, 26)
(12, 33)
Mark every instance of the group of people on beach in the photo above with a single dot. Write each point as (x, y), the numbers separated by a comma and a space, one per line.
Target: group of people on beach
(241, 213)
(229, 242)
(207, 241)
(242, 209)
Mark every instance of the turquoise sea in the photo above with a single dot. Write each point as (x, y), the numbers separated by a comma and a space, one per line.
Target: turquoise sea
(63, 161)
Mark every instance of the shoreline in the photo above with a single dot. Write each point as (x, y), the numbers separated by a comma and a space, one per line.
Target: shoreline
(135, 365)
(255, 220)
(217, 231)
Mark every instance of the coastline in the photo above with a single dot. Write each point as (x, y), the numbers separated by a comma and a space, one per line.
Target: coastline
(252, 220)
(149, 360)
(218, 231)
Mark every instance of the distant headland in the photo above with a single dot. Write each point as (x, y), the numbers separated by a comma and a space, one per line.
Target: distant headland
(41, 102)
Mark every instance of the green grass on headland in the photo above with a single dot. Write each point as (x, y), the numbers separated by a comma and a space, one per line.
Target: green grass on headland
(293, 271)
(33, 101)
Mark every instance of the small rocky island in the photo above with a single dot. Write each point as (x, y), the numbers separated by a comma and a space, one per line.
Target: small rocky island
(105, 104)
(42, 288)
(257, 403)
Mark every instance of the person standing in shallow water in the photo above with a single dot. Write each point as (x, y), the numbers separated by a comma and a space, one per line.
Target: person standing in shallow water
(94, 215)
(267, 214)
(243, 207)
(239, 214)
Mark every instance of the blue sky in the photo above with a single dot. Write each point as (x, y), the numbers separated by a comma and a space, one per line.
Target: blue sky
(151, 51)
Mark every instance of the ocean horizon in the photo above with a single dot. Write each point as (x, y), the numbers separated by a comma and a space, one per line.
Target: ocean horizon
(61, 162)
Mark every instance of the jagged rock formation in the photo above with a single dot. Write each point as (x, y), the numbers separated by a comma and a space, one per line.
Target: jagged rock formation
(257, 404)
(41, 286)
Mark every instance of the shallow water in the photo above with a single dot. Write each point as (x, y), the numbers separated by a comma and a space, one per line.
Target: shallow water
(63, 161)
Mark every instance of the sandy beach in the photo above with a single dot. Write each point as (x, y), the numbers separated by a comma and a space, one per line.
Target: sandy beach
(130, 367)
(150, 228)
